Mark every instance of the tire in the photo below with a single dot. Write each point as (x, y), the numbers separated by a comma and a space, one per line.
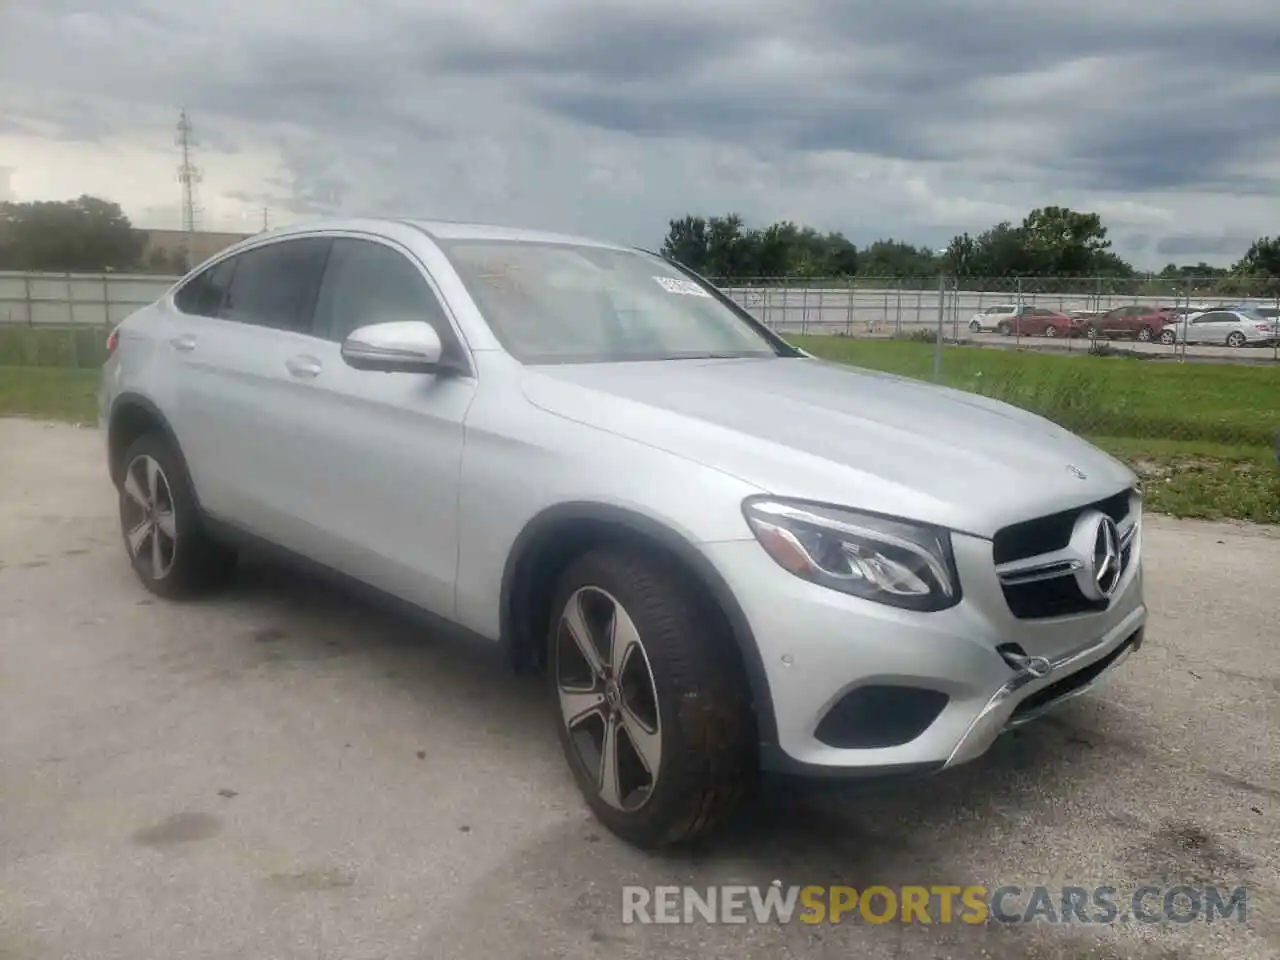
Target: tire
(1167, 337)
(1004, 329)
(975, 326)
(1235, 339)
(1050, 331)
(695, 715)
(173, 557)
(1145, 334)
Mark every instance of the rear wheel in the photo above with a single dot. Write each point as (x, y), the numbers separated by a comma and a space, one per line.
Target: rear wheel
(1051, 331)
(1004, 329)
(1145, 334)
(656, 730)
(168, 549)
(1166, 337)
(1235, 339)
(975, 326)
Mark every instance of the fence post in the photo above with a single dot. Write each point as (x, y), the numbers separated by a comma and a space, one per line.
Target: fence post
(26, 296)
(1186, 323)
(937, 343)
(897, 316)
(849, 284)
(1017, 317)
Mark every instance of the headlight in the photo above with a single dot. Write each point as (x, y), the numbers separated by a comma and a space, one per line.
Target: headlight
(896, 562)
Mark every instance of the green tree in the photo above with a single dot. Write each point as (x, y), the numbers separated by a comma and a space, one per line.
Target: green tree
(1064, 242)
(86, 234)
(1258, 271)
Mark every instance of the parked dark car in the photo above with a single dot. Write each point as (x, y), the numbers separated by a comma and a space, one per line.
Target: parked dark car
(1040, 322)
(1138, 321)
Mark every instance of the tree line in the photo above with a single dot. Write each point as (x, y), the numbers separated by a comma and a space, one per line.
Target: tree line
(89, 234)
(1050, 242)
(84, 235)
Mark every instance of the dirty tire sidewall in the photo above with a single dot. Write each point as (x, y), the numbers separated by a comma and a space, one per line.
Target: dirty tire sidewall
(708, 765)
(198, 562)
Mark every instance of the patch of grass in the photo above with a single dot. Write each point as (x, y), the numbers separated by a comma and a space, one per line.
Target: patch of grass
(1231, 404)
(1201, 436)
(50, 393)
(75, 347)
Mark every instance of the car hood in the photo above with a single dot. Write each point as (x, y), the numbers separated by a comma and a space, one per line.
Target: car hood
(809, 429)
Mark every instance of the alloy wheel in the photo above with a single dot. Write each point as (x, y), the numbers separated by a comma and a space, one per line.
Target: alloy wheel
(1236, 339)
(1144, 334)
(608, 699)
(148, 517)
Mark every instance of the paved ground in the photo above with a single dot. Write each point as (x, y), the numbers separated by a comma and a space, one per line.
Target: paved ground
(282, 773)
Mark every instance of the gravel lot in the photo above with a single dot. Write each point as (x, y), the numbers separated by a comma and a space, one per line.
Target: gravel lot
(282, 772)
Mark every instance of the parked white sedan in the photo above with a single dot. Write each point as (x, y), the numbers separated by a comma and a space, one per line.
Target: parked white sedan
(1235, 328)
(988, 320)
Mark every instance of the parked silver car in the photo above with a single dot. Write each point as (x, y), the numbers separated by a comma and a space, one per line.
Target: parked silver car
(724, 555)
(1234, 327)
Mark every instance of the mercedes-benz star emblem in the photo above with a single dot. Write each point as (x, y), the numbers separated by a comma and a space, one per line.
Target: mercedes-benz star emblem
(1095, 542)
(1106, 557)
(1077, 472)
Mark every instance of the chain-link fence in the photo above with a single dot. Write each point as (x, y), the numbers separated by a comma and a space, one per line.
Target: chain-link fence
(1184, 316)
(1221, 391)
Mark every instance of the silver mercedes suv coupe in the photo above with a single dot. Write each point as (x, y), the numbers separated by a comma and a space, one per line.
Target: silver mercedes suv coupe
(723, 555)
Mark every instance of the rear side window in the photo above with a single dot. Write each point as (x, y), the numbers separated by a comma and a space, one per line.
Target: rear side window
(204, 295)
(275, 286)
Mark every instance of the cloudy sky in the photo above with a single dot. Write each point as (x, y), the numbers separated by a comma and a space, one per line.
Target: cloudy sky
(914, 120)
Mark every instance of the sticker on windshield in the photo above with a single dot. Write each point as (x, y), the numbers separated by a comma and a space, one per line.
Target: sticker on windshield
(685, 287)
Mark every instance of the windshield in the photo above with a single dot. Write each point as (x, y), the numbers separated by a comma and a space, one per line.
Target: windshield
(562, 303)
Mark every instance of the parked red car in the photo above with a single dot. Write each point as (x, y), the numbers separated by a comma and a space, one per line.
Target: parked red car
(1139, 321)
(1040, 322)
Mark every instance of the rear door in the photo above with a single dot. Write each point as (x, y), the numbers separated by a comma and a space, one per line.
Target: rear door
(1211, 327)
(241, 395)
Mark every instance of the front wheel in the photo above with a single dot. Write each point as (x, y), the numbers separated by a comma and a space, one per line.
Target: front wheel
(656, 730)
(975, 326)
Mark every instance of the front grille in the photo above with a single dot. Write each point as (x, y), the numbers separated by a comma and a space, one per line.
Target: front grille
(1044, 534)
(1059, 596)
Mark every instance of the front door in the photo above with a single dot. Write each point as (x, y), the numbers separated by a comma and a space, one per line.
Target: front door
(376, 457)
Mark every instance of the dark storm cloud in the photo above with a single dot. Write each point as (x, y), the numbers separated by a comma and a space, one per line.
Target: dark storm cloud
(1165, 107)
(1150, 95)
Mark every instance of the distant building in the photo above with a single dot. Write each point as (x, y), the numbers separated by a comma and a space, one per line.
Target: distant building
(170, 245)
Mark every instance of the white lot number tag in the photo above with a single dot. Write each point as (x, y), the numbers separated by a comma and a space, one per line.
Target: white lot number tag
(686, 287)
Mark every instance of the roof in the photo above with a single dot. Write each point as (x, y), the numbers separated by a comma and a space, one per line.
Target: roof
(446, 230)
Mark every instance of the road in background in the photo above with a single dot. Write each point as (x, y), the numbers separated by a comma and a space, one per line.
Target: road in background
(283, 772)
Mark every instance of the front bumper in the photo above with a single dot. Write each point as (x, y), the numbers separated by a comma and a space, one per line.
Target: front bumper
(820, 649)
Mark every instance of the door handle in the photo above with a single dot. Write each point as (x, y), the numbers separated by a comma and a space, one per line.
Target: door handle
(303, 366)
(184, 344)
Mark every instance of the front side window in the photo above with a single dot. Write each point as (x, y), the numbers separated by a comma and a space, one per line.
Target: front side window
(367, 283)
(565, 303)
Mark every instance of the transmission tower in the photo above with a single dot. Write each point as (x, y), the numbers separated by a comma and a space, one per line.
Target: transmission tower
(188, 174)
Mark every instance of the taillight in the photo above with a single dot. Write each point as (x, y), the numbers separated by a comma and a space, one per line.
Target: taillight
(113, 338)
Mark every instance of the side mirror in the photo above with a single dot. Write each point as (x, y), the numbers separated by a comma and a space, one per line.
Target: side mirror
(410, 346)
